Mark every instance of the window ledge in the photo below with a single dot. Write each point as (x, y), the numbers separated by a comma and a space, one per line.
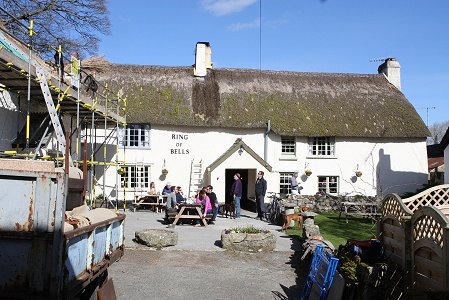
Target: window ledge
(321, 157)
(291, 158)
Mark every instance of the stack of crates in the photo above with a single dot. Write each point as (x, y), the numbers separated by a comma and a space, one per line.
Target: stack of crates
(321, 275)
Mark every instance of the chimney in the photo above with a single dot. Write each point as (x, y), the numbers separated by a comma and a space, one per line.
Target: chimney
(392, 70)
(203, 61)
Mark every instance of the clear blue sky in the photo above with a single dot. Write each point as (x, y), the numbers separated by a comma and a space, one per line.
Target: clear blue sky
(297, 35)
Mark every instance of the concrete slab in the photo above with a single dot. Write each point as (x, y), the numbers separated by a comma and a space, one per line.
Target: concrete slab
(192, 238)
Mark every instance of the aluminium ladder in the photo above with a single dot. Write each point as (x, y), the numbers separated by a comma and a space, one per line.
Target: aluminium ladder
(60, 137)
(196, 177)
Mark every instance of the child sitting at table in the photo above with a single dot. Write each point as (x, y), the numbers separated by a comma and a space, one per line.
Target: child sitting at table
(204, 200)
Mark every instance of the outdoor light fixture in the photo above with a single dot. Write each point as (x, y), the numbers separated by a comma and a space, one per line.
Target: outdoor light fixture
(240, 150)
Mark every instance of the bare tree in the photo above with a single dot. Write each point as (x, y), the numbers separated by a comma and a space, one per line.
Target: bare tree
(75, 24)
(437, 130)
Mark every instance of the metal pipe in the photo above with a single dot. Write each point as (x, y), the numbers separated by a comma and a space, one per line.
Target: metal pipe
(265, 145)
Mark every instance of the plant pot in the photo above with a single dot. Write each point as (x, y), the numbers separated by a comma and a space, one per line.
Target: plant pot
(164, 172)
(248, 242)
(308, 172)
(358, 173)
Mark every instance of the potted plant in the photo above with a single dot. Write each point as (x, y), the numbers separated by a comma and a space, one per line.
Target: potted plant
(248, 239)
(164, 172)
(358, 173)
(308, 172)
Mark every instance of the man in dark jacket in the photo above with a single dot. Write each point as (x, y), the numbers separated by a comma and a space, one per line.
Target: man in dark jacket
(261, 189)
(214, 202)
(236, 191)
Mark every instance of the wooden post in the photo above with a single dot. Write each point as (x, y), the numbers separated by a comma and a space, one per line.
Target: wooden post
(407, 250)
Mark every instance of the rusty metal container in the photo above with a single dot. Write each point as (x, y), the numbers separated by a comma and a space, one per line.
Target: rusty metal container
(38, 259)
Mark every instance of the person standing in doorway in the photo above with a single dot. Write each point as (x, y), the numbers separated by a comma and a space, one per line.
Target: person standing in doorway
(236, 191)
(294, 184)
(261, 189)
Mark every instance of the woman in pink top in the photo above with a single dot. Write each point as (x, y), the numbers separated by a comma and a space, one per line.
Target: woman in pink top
(205, 201)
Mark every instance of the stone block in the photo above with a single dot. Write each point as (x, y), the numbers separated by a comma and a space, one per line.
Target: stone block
(310, 231)
(157, 238)
(248, 242)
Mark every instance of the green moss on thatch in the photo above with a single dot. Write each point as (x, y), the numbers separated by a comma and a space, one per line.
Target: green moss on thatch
(297, 104)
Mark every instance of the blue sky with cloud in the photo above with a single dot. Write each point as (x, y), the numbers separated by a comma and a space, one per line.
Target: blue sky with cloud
(297, 35)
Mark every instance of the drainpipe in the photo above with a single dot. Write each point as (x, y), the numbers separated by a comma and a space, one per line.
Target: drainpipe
(265, 146)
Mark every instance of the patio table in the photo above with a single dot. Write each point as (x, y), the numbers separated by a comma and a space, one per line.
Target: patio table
(190, 211)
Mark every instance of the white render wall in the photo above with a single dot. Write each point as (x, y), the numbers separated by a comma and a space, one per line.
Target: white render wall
(387, 165)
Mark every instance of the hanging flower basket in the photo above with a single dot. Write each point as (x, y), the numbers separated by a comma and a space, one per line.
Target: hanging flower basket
(308, 172)
(358, 173)
(164, 172)
(121, 171)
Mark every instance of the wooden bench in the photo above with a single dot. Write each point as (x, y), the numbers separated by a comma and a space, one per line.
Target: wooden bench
(153, 201)
(170, 217)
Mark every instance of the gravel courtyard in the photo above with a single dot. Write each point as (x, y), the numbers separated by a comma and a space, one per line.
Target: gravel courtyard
(198, 268)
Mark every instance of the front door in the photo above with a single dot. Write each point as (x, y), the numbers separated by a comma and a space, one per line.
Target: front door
(244, 202)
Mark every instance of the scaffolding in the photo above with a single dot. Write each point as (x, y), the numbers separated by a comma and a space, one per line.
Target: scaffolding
(94, 106)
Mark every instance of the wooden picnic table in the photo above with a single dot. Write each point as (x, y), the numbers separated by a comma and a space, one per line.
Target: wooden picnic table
(364, 209)
(190, 211)
(157, 201)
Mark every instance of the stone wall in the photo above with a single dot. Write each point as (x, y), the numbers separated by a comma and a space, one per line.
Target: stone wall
(319, 203)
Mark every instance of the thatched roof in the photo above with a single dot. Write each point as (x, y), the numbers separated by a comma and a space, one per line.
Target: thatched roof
(298, 104)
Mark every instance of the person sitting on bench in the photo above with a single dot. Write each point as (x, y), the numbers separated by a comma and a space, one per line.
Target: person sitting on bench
(171, 205)
(204, 200)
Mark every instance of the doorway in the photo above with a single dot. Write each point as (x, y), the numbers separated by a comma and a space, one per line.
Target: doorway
(245, 203)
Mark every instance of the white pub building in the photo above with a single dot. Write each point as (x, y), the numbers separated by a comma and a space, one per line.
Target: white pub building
(194, 126)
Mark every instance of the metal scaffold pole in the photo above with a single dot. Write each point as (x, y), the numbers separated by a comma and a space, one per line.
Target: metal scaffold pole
(77, 70)
(104, 148)
(27, 133)
(124, 156)
(92, 167)
(117, 167)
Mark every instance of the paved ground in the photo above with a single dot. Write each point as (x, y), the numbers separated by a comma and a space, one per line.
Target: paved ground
(198, 268)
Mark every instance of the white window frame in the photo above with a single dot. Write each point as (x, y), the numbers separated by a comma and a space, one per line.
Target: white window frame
(135, 177)
(323, 146)
(288, 146)
(329, 184)
(285, 186)
(135, 136)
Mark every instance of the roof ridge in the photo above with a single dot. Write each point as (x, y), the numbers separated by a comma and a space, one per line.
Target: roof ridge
(249, 70)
